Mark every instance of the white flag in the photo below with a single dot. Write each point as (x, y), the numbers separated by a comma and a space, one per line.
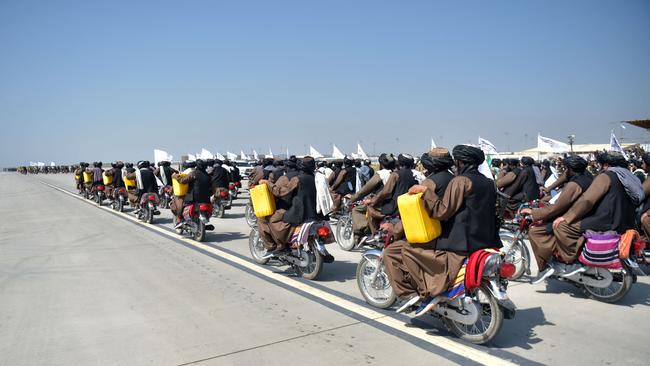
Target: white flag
(433, 144)
(487, 146)
(484, 169)
(314, 153)
(270, 155)
(545, 144)
(220, 157)
(191, 157)
(336, 153)
(52, 163)
(255, 156)
(361, 153)
(231, 156)
(615, 146)
(160, 155)
(206, 154)
(243, 156)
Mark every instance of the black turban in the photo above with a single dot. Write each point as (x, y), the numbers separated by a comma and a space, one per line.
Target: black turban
(307, 164)
(189, 164)
(291, 163)
(437, 160)
(575, 163)
(612, 158)
(405, 160)
(527, 161)
(387, 161)
(200, 164)
(347, 161)
(469, 154)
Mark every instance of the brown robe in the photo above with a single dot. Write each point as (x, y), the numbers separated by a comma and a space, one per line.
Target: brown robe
(337, 198)
(423, 269)
(505, 179)
(544, 244)
(177, 203)
(273, 230)
(374, 211)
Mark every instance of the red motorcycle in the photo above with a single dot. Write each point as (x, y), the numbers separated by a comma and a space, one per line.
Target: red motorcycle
(195, 221)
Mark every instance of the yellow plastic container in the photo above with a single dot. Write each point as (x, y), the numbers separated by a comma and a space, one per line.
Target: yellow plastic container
(180, 189)
(108, 179)
(419, 228)
(77, 177)
(88, 177)
(129, 183)
(263, 201)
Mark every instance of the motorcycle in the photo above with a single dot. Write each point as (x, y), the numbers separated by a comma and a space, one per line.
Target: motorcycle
(513, 233)
(148, 208)
(606, 284)
(307, 251)
(99, 195)
(474, 315)
(219, 204)
(232, 193)
(166, 194)
(195, 222)
(120, 197)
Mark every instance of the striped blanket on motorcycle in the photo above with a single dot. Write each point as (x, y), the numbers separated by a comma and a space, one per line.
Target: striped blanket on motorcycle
(300, 234)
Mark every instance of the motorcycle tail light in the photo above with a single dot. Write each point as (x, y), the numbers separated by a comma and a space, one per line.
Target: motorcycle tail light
(237, 184)
(168, 189)
(152, 197)
(205, 207)
(122, 190)
(507, 270)
(231, 186)
(223, 194)
(323, 232)
(100, 188)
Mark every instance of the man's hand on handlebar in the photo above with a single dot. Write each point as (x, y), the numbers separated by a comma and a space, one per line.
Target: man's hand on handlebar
(418, 188)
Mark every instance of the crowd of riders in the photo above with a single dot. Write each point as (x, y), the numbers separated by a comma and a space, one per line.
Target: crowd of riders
(608, 193)
(52, 169)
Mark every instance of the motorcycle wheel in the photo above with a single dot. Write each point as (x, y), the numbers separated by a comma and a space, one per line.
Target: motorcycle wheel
(98, 199)
(256, 246)
(120, 205)
(251, 219)
(314, 262)
(620, 286)
(199, 233)
(218, 211)
(345, 237)
(488, 324)
(178, 231)
(377, 292)
(516, 254)
(163, 202)
(148, 215)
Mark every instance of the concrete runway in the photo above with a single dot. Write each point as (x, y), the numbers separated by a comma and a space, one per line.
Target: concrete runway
(81, 285)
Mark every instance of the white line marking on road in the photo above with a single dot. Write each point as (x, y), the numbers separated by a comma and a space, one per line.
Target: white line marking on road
(419, 333)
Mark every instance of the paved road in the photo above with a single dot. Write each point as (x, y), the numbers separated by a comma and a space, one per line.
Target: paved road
(80, 285)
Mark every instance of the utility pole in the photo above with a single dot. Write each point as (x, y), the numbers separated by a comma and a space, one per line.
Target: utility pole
(572, 138)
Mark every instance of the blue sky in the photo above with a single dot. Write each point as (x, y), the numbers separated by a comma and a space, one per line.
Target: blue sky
(91, 80)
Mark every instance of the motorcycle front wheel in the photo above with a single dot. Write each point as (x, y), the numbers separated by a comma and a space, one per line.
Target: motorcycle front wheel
(516, 253)
(488, 324)
(256, 246)
(251, 219)
(98, 199)
(377, 291)
(620, 286)
(199, 233)
(218, 210)
(345, 237)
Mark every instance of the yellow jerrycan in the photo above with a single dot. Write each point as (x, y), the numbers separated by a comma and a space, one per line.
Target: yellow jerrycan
(108, 179)
(263, 201)
(180, 189)
(88, 177)
(129, 183)
(419, 228)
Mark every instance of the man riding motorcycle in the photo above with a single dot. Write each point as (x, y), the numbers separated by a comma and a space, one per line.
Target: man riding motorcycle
(607, 205)
(295, 194)
(525, 187)
(467, 210)
(437, 163)
(541, 237)
(116, 173)
(199, 189)
(384, 203)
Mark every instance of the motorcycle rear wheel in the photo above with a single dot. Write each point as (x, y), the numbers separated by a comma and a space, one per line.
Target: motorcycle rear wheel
(488, 324)
(620, 286)
(199, 234)
(379, 292)
(315, 259)
(256, 246)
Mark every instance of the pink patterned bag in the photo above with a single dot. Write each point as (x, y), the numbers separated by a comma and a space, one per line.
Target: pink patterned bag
(601, 250)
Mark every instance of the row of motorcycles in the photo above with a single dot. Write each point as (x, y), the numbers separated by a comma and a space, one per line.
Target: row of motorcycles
(195, 218)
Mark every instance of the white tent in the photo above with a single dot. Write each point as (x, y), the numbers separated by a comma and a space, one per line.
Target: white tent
(433, 144)
(255, 155)
(314, 153)
(360, 152)
(243, 156)
(336, 153)
(206, 154)
(231, 156)
(220, 157)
